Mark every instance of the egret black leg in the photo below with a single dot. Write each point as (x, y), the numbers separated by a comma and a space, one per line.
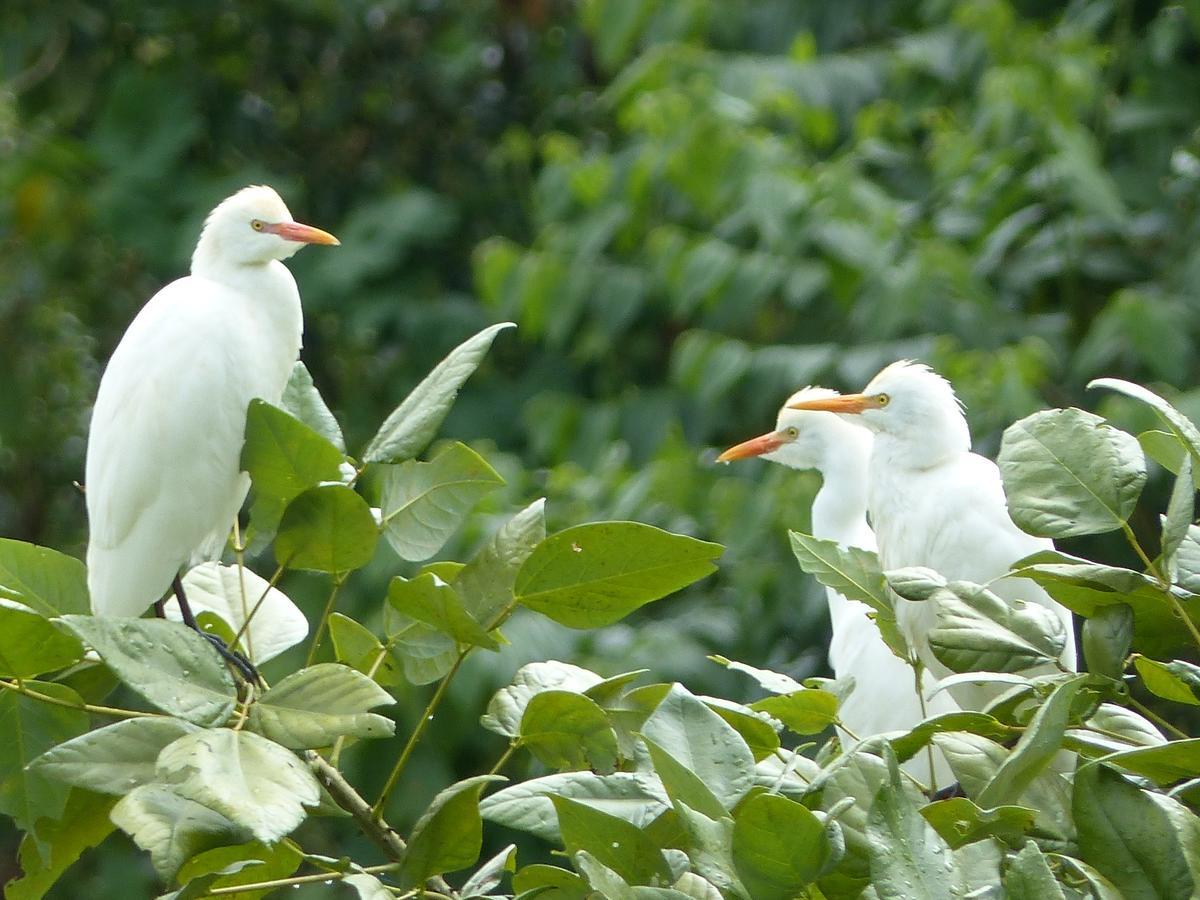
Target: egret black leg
(234, 658)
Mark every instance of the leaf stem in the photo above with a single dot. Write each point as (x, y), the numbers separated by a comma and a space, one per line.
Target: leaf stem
(504, 757)
(296, 880)
(1157, 719)
(338, 581)
(918, 668)
(20, 688)
(1146, 561)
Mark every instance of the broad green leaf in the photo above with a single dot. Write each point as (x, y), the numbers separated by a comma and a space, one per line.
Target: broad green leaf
(430, 600)
(775, 682)
(449, 834)
(1177, 680)
(284, 457)
(551, 883)
(485, 584)
(908, 745)
(682, 784)
(908, 858)
(854, 573)
(1130, 835)
(594, 575)
(315, 706)
(84, 824)
(756, 730)
(241, 864)
(916, 583)
(978, 631)
(1187, 560)
(413, 424)
(1181, 509)
(609, 884)
(48, 582)
(487, 878)
(1112, 728)
(615, 843)
(368, 887)
(303, 401)
(355, 646)
(172, 827)
(611, 689)
(113, 759)
(635, 797)
(30, 727)
(709, 845)
(30, 645)
(424, 653)
(166, 662)
(328, 528)
(423, 503)
(1164, 764)
(508, 704)
(1107, 637)
(961, 822)
(567, 730)
(694, 887)
(806, 711)
(1043, 738)
(1028, 876)
(1067, 472)
(235, 594)
(1165, 449)
(1179, 424)
(252, 781)
(779, 847)
(703, 742)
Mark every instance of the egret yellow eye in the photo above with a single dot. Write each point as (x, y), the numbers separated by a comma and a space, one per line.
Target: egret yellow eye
(883, 400)
(256, 224)
(792, 432)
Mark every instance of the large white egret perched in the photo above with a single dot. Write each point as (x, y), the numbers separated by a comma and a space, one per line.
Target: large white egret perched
(163, 480)
(934, 503)
(884, 698)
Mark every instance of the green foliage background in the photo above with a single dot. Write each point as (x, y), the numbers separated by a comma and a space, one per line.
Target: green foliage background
(690, 207)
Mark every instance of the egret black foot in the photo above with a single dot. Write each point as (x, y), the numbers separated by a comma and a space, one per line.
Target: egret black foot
(244, 667)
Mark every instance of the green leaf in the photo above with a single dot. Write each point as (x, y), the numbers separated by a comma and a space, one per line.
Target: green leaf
(413, 424)
(908, 745)
(173, 828)
(1028, 877)
(908, 858)
(30, 645)
(428, 599)
(806, 711)
(424, 653)
(779, 847)
(694, 735)
(355, 646)
(594, 575)
(1164, 764)
(568, 731)
(960, 822)
(1129, 835)
(854, 573)
(775, 682)
(610, 885)
(368, 887)
(551, 882)
(46, 581)
(682, 784)
(423, 503)
(1187, 560)
(978, 631)
(756, 730)
(615, 843)
(1107, 637)
(1177, 680)
(284, 457)
(252, 781)
(84, 824)
(709, 846)
(1042, 739)
(304, 402)
(1067, 472)
(240, 864)
(1180, 511)
(633, 797)
(449, 834)
(507, 706)
(327, 529)
(166, 662)
(487, 877)
(30, 728)
(315, 706)
(1165, 449)
(113, 759)
(1179, 424)
(485, 584)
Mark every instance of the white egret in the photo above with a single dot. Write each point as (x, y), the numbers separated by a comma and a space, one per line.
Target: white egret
(884, 697)
(163, 481)
(934, 503)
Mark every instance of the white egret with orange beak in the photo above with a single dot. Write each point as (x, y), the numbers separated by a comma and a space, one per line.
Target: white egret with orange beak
(884, 698)
(934, 503)
(163, 480)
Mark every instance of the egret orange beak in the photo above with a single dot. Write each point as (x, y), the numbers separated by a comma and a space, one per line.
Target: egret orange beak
(846, 403)
(302, 234)
(764, 443)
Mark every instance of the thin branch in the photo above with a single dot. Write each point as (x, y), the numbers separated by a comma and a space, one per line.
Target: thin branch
(504, 758)
(1157, 719)
(338, 581)
(295, 881)
(19, 688)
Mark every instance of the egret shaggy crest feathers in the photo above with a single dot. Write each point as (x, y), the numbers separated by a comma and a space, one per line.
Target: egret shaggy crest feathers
(934, 503)
(884, 697)
(163, 479)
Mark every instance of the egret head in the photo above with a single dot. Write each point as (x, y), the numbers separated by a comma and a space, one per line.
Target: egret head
(806, 439)
(907, 401)
(253, 227)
